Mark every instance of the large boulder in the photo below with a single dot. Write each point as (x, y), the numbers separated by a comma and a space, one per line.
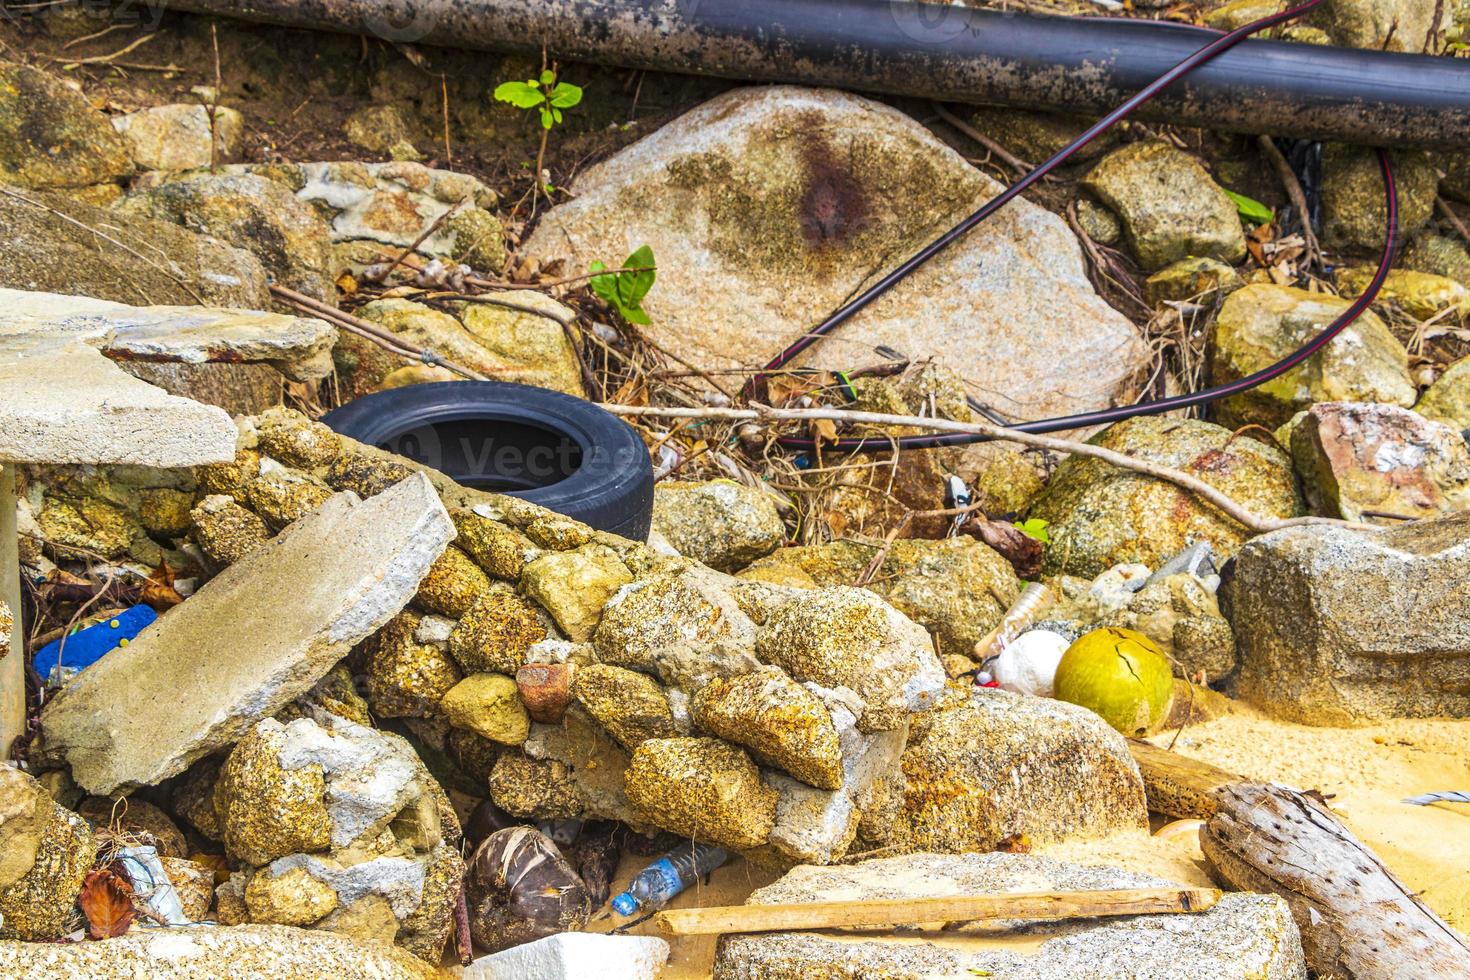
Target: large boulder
(271, 626)
(51, 137)
(1262, 324)
(1358, 460)
(212, 951)
(288, 237)
(1243, 937)
(998, 765)
(1102, 516)
(1170, 207)
(1340, 627)
(792, 199)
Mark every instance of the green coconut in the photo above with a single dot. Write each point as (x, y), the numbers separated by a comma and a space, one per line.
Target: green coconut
(1120, 675)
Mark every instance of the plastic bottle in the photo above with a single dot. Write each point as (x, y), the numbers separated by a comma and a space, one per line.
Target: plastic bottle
(657, 884)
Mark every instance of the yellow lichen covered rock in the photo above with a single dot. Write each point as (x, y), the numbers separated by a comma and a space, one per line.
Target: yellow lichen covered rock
(453, 584)
(1101, 516)
(488, 705)
(574, 586)
(780, 722)
(702, 788)
(406, 678)
(845, 637)
(629, 705)
(47, 852)
(292, 898)
(496, 632)
(1261, 324)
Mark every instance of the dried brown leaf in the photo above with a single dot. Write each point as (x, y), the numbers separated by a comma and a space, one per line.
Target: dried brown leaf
(107, 902)
(1020, 549)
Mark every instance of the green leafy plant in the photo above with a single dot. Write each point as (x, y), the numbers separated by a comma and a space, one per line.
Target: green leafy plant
(1250, 209)
(544, 93)
(624, 290)
(548, 95)
(1035, 528)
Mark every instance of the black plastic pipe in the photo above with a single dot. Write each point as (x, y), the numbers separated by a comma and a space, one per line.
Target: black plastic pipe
(940, 51)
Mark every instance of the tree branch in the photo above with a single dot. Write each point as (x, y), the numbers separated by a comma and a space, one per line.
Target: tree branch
(1216, 498)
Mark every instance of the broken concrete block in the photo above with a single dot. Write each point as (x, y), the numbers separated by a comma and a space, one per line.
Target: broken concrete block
(1243, 936)
(574, 955)
(298, 347)
(258, 635)
(209, 951)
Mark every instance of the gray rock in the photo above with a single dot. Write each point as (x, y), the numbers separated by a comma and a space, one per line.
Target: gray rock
(1448, 399)
(260, 216)
(1170, 207)
(270, 626)
(1342, 627)
(46, 251)
(999, 764)
(1357, 459)
(51, 137)
(1262, 323)
(1244, 937)
(1353, 206)
(298, 347)
(793, 198)
(1102, 516)
(209, 951)
(1181, 615)
(724, 524)
(393, 204)
(177, 137)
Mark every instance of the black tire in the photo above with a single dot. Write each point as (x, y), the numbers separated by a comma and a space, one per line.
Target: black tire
(561, 452)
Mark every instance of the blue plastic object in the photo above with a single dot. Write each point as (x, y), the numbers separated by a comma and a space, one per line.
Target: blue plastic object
(657, 884)
(60, 661)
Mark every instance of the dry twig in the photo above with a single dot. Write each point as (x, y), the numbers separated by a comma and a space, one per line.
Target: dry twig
(1212, 495)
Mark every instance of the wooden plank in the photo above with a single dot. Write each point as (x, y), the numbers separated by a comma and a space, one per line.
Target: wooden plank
(1177, 785)
(884, 913)
(1356, 919)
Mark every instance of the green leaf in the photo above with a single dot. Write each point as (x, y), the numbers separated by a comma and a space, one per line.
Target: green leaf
(566, 95)
(1035, 528)
(547, 77)
(522, 95)
(1250, 209)
(546, 121)
(624, 290)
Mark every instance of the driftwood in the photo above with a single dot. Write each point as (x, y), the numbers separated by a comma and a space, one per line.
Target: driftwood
(1358, 922)
(1176, 784)
(887, 913)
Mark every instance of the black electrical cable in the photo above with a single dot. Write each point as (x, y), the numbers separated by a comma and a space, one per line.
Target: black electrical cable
(1104, 416)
